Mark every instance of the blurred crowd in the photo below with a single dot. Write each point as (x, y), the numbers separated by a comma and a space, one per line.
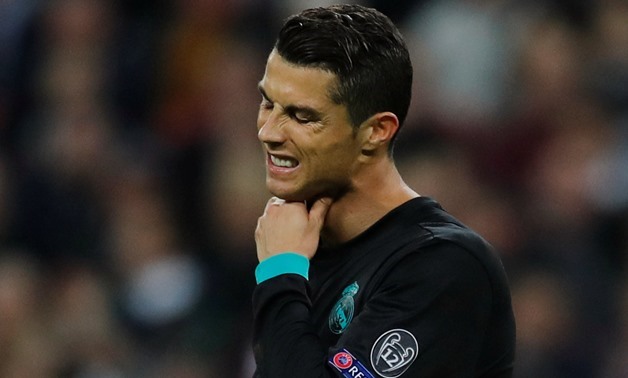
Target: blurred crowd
(131, 177)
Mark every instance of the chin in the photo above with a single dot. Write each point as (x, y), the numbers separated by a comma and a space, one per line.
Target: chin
(301, 194)
(290, 195)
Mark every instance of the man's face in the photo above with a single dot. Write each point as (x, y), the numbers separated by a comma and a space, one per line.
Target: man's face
(311, 147)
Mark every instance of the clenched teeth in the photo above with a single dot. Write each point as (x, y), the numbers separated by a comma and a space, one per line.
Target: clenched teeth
(287, 163)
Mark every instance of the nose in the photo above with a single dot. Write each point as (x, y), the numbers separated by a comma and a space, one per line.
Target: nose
(270, 130)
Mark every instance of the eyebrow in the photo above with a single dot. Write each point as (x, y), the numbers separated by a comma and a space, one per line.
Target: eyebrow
(292, 109)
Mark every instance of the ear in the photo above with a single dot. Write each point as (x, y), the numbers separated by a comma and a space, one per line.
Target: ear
(378, 131)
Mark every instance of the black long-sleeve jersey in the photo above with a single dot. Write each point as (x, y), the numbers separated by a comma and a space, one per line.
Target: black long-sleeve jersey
(417, 294)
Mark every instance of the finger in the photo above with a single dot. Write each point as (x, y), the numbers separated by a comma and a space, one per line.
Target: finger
(258, 227)
(319, 209)
(272, 202)
(277, 201)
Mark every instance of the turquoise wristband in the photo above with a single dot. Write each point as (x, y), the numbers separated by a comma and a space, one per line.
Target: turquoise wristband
(283, 263)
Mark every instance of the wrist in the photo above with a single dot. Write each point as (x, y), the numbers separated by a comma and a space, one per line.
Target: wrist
(283, 263)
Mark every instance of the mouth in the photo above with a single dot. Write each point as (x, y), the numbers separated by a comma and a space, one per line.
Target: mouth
(283, 161)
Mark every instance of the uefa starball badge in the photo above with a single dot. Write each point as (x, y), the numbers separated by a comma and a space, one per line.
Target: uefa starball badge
(342, 312)
(349, 366)
(393, 353)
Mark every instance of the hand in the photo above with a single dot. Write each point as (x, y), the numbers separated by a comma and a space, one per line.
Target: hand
(289, 227)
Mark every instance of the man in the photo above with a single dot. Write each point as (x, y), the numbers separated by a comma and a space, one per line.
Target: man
(359, 276)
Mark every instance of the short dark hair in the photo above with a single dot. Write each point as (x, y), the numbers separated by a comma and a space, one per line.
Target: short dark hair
(362, 47)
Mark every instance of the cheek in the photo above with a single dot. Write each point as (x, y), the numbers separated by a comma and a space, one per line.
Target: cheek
(338, 158)
(346, 149)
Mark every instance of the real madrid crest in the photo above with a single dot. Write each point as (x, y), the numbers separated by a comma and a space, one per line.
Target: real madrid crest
(342, 312)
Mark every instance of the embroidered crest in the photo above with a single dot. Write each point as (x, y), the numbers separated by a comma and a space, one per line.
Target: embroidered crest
(342, 312)
(393, 352)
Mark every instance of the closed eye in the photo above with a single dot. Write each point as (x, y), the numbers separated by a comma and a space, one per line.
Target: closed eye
(300, 119)
(266, 104)
(303, 115)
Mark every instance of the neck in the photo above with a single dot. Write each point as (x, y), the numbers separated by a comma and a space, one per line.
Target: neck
(373, 193)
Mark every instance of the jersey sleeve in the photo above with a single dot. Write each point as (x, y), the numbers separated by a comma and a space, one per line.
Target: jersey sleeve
(427, 316)
(285, 343)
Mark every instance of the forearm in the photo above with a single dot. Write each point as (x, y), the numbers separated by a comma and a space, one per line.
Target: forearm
(285, 342)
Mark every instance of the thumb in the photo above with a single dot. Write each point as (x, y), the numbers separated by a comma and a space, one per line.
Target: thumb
(319, 209)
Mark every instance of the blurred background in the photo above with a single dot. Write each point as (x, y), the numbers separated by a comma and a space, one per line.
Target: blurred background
(131, 178)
